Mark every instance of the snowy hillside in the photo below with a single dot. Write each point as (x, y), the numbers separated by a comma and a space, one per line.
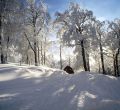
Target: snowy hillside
(41, 88)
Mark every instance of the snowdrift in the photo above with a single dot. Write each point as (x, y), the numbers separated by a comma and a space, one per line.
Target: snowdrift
(41, 88)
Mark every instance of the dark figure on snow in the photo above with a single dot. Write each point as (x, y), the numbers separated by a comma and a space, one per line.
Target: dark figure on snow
(69, 70)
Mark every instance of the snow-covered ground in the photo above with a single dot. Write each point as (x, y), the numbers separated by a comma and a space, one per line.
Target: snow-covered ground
(41, 88)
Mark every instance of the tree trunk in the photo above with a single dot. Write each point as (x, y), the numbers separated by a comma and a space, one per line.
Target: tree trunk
(3, 4)
(114, 65)
(44, 57)
(117, 64)
(38, 55)
(2, 9)
(2, 57)
(83, 56)
(88, 63)
(27, 55)
(99, 67)
(45, 51)
(35, 53)
(102, 58)
(1, 54)
(41, 53)
(8, 41)
(36, 63)
(27, 59)
(60, 57)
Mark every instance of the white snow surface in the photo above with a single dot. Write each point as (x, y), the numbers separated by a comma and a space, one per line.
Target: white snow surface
(42, 88)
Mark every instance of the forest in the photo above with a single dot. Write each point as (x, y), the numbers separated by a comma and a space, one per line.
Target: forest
(30, 35)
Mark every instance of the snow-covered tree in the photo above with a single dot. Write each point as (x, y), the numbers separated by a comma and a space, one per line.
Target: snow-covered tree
(114, 39)
(8, 25)
(76, 26)
(100, 38)
(36, 19)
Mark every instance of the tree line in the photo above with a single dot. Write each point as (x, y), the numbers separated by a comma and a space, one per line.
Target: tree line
(25, 27)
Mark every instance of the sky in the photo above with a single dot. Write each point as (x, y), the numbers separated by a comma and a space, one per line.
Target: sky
(102, 9)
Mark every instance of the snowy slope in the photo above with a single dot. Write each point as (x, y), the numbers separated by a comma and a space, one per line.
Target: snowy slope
(41, 88)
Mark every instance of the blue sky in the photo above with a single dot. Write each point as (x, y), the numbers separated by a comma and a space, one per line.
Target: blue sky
(102, 9)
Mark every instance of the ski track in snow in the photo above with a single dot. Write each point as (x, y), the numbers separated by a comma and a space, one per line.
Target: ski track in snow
(42, 88)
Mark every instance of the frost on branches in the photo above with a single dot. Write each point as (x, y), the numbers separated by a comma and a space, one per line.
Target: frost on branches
(77, 28)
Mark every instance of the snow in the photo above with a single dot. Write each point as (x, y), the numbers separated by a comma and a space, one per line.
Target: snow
(43, 88)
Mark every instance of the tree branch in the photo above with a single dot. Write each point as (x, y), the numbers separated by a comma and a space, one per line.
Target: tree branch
(38, 31)
(29, 42)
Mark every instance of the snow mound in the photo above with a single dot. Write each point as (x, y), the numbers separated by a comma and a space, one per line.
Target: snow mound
(42, 88)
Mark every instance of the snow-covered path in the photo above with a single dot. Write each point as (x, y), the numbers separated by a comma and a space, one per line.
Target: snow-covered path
(40, 88)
